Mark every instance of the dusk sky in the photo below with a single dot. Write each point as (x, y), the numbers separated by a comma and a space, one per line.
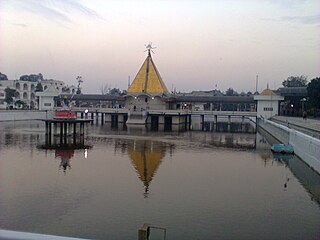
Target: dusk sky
(200, 45)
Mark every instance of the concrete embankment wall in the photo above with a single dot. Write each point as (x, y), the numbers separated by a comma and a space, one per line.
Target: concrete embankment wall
(305, 146)
(19, 115)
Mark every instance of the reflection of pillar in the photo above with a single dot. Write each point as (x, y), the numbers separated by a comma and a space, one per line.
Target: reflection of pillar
(61, 132)
(75, 133)
(102, 118)
(65, 134)
(202, 122)
(215, 122)
(229, 123)
(47, 133)
(50, 133)
(55, 129)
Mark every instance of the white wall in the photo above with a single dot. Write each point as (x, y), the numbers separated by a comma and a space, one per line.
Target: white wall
(262, 104)
(46, 102)
(152, 104)
(305, 146)
(18, 115)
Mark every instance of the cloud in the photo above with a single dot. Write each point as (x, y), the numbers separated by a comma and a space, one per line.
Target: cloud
(76, 6)
(312, 19)
(287, 3)
(19, 25)
(60, 11)
(269, 19)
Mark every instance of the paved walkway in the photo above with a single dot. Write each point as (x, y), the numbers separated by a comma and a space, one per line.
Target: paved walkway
(308, 126)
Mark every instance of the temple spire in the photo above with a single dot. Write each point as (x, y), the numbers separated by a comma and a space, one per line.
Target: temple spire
(149, 48)
(148, 79)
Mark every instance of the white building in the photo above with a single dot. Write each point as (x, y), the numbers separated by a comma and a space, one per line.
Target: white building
(59, 85)
(26, 90)
(3, 104)
(46, 98)
(268, 103)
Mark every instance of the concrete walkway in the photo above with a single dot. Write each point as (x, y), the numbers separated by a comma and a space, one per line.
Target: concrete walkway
(309, 126)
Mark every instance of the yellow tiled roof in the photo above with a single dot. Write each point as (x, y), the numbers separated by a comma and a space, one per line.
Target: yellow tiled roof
(267, 92)
(148, 79)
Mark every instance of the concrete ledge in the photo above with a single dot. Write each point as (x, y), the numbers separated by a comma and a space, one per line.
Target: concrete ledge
(19, 115)
(305, 146)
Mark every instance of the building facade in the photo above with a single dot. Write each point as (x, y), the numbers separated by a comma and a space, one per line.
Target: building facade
(26, 91)
(268, 103)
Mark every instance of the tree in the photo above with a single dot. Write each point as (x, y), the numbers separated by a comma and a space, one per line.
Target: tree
(65, 89)
(115, 91)
(21, 104)
(39, 88)
(231, 92)
(3, 76)
(32, 77)
(10, 93)
(295, 81)
(314, 92)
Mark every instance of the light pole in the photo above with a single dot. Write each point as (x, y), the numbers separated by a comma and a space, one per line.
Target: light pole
(303, 100)
(79, 79)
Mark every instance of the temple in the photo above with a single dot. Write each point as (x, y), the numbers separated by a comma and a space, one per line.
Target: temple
(148, 79)
(146, 92)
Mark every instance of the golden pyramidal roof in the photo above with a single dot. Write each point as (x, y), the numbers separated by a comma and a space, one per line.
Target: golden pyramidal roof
(267, 92)
(148, 79)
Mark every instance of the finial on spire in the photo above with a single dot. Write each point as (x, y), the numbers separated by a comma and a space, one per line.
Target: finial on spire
(149, 48)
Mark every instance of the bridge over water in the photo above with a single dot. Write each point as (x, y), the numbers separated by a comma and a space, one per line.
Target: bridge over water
(166, 117)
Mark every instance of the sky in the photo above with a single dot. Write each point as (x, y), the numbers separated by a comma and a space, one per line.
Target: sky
(199, 45)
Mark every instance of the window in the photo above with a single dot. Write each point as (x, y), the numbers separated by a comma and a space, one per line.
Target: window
(268, 109)
(47, 104)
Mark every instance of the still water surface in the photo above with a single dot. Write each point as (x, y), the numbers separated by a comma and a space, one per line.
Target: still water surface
(198, 185)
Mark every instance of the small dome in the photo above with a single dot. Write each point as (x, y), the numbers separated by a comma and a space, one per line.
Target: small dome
(267, 92)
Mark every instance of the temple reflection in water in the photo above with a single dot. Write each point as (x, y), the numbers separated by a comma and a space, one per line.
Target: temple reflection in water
(146, 157)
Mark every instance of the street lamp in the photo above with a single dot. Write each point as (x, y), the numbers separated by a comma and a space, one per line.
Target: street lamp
(303, 100)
